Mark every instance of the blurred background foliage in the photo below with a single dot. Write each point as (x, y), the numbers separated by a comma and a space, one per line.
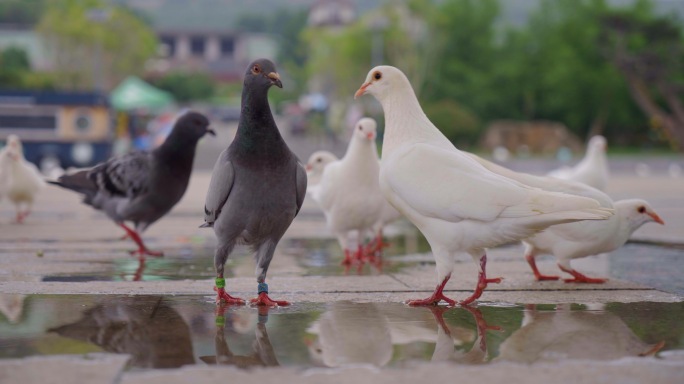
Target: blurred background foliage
(597, 66)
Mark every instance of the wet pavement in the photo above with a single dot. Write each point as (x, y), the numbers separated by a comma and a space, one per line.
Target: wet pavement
(72, 299)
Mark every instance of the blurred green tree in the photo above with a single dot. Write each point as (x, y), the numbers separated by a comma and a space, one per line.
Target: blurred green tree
(15, 71)
(15, 58)
(648, 51)
(187, 87)
(95, 42)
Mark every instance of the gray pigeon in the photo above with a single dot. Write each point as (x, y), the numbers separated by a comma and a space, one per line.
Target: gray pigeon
(142, 186)
(257, 187)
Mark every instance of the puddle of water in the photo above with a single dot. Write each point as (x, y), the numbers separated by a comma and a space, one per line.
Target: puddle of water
(164, 332)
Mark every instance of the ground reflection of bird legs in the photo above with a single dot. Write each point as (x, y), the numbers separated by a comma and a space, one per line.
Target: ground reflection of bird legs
(262, 355)
(444, 347)
(138, 274)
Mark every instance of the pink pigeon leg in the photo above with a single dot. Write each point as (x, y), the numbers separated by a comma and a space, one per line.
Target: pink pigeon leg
(537, 275)
(482, 282)
(142, 249)
(436, 296)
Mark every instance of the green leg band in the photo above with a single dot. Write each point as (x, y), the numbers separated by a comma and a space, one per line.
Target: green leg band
(220, 321)
(220, 282)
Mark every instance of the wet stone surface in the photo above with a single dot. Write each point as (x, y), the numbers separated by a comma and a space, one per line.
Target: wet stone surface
(173, 331)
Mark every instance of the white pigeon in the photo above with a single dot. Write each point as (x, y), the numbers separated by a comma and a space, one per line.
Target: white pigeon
(349, 192)
(317, 163)
(592, 170)
(569, 334)
(21, 179)
(576, 240)
(458, 204)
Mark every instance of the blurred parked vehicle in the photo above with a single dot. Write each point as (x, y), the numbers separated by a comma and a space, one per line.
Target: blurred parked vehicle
(72, 128)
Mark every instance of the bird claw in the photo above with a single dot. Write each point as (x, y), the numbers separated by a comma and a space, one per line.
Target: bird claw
(223, 298)
(580, 278)
(546, 277)
(146, 252)
(264, 300)
(431, 301)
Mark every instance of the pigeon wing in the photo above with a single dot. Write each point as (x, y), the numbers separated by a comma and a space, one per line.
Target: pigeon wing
(219, 188)
(127, 175)
(466, 190)
(301, 181)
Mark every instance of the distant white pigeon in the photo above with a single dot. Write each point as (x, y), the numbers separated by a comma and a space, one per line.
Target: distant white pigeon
(20, 180)
(592, 170)
(458, 204)
(349, 191)
(576, 240)
(315, 166)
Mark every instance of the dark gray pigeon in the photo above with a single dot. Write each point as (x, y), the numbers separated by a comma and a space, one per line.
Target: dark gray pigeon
(142, 186)
(257, 187)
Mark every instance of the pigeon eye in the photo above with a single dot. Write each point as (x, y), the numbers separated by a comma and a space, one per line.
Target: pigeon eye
(641, 209)
(377, 75)
(256, 69)
(319, 160)
(360, 128)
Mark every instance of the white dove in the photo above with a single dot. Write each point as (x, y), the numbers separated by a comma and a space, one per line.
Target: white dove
(592, 170)
(315, 166)
(22, 180)
(454, 201)
(349, 192)
(576, 240)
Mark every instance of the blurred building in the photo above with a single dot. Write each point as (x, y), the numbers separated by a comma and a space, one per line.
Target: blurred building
(69, 128)
(24, 37)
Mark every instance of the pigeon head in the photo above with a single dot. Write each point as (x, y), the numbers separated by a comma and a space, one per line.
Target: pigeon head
(365, 129)
(194, 125)
(597, 144)
(319, 160)
(262, 74)
(14, 148)
(382, 81)
(637, 212)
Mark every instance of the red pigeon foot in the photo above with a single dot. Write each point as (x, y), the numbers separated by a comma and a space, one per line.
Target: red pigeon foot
(264, 300)
(224, 298)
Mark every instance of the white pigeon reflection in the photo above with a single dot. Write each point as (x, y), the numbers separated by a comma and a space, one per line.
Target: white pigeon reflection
(356, 334)
(550, 336)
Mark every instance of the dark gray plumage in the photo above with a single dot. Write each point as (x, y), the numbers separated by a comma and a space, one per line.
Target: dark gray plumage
(151, 331)
(142, 186)
(258, 184)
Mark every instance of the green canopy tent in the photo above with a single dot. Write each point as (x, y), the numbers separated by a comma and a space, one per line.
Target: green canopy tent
(134, 93)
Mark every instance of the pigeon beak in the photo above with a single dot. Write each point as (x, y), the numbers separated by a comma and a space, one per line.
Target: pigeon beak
(211, 132)
(361, 90)
(275, 79)
(308, 167)
(370, 136)
(656, 218)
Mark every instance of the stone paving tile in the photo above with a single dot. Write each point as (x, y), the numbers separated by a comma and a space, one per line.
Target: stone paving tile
(91, 368)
